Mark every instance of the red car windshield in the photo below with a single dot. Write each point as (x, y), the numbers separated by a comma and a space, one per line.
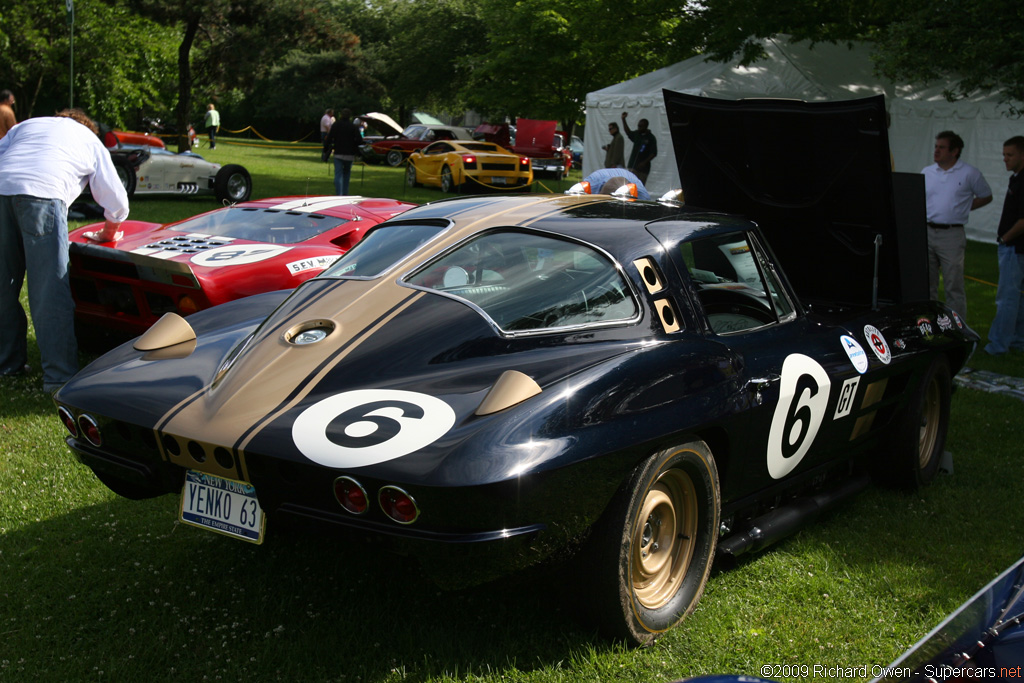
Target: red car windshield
(272, 226)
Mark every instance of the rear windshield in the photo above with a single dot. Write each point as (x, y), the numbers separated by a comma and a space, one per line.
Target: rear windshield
(260, 225)
(382, 248)
(529, 282)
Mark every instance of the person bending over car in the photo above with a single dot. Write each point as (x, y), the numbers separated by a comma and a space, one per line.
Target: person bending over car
(45, 163)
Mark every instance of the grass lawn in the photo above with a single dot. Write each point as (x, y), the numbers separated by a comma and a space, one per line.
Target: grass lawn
(96, 587)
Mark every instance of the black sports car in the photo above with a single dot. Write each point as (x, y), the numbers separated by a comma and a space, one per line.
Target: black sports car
(514, 377)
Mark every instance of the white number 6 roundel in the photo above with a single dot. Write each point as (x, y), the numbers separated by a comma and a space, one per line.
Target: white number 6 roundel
(370, 426)
(803, 397)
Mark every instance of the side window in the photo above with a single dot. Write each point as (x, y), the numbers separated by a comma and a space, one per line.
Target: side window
(736, 289)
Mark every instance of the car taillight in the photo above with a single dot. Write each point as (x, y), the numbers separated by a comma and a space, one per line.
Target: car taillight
(398, 505)
(350, 495)
(90, 430)
(68, 420)
(524, 161)
(468, 161)
(187, 305)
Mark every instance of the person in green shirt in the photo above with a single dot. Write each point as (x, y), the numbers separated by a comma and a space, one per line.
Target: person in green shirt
(212, 123)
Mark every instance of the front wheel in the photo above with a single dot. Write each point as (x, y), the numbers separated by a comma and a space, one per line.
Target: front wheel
(232, 184)
(394, 157)
(410, 175)
(656, 543)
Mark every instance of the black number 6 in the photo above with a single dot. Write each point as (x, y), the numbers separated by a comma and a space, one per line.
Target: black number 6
(386, 427)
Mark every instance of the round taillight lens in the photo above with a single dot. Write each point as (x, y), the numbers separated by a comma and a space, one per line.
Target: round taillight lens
(90, 430)
(398, 505)
(68, 420)
(351, 495)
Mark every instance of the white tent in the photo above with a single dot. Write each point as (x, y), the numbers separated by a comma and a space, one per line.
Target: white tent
(826, 72)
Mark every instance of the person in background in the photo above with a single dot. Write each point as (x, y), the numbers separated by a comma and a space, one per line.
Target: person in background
(344, 139)
(1007, 330)
(614, 151)
(7, 118)
(953, 189)
(212, 124)
(645, 148)
(326, 121)
(45, 163)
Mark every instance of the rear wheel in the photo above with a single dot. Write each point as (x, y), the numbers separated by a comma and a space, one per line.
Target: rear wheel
(126, 174)
(447, 181)
(394, 157)
(918, 440)
(232, 184)
(656, 544)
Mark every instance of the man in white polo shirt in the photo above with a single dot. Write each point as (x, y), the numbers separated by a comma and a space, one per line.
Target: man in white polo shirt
(953, 189)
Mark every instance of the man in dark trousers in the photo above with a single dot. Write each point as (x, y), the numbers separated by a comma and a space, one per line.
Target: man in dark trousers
(344, 139)
(1007, 330)
(645, 148)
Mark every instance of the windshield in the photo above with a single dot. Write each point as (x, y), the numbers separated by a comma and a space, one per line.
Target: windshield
(260, 225)
(382, 248)
(524, 281)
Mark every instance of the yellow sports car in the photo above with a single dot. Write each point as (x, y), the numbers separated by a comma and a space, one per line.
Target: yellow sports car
(458, 166)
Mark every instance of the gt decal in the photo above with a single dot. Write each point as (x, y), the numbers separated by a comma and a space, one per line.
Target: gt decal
(846, 396)
(803, 397)
(856, 353)
(370, 426)
(877, 343)
(236, 255)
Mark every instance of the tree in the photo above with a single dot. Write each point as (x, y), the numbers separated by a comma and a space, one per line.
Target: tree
(111, 83)
(544, 56)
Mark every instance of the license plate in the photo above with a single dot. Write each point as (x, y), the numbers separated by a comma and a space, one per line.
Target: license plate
(498, 180)
(223, 505)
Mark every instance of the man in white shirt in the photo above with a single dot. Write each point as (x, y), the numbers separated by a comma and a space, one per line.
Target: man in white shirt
(326, 121)
(953, 189)
(45, 163)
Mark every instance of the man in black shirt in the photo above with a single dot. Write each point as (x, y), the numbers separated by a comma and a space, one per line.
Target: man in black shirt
(1007, 330)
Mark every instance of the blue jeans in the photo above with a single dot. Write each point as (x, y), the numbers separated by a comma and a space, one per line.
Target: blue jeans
(34, 239)
(342, 174)
(1007, 329)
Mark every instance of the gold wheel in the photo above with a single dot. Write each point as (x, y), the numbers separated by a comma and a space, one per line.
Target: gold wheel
(664, 534)
(931, 419)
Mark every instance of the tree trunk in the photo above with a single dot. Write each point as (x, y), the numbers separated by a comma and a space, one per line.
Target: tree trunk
(185, 82)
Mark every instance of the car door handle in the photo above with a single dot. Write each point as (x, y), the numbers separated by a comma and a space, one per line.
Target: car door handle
(756, 385)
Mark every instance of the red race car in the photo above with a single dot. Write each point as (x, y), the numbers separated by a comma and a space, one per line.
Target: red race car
(121, 288)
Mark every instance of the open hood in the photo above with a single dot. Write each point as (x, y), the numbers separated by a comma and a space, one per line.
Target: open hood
(817, 178)
(382, 122)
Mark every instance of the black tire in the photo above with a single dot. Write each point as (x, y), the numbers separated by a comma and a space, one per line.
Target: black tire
(918, 439)
(232, 184)
(653, 549)
(410, 175)
(126, 174)
(448, 181)
(394, 157)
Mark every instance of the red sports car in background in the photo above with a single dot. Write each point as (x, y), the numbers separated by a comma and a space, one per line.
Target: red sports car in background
(123, 287)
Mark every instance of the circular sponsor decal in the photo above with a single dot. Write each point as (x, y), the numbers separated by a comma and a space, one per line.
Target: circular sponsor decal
(856, 353)
(877, 343)
(370, 426)
(803, 397)
(237, 254)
